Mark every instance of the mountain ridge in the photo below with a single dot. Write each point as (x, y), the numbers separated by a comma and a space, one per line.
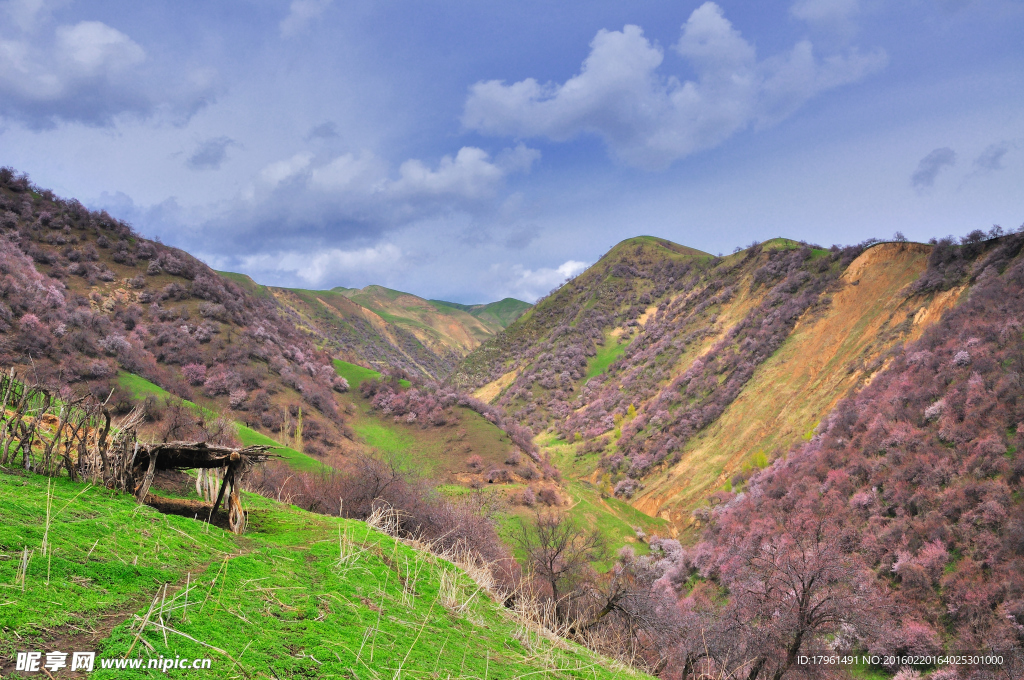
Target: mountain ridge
(615, 359)
(394, 328)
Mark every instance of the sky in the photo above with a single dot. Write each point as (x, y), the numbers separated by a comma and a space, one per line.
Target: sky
(470, 151)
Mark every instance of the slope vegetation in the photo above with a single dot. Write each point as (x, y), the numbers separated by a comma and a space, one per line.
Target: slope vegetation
(675, 374)
(84, 298)
(910, 491)
(300, 595)
(389, 329)
(827, 356)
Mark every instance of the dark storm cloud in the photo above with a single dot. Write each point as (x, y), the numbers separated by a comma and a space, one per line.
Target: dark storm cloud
(992, 157)
(325, 130)
(930, 166)
(210, 154)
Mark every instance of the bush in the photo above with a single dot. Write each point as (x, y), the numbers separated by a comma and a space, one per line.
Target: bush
(498, 476)
(549, 496)
(195, 374)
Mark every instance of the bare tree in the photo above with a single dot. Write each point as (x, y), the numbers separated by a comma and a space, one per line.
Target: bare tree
(560, 552)
(792, 587)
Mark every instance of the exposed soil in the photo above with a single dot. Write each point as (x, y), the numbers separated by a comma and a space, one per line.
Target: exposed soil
(187, 507)
(73, 638)
(828, 355)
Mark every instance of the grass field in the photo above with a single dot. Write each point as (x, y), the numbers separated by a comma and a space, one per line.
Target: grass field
(355, 375)
(299, 595)
(606, 354)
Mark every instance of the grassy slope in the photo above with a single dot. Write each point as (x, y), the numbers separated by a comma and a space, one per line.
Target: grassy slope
(820, 362)
(377, 325)
(299, 595)
(458, 328)
(592, 503)
(141, 388)
(826, 357)
(500, 314)
(491, 360)
(436, 453)
(600, 362)
(440, 454)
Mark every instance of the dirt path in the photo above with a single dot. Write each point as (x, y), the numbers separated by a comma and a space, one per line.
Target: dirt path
(74, 638)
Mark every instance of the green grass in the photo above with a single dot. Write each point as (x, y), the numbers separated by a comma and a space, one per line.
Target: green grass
(140, 388)
(296, 459)
(247, 284)
(606, 354)
(866, 672)
(432, 453)
(612, 517)
(355, 375)
(387, 439)
(299, 595)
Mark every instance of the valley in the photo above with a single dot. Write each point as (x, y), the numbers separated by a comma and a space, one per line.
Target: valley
(683, 419)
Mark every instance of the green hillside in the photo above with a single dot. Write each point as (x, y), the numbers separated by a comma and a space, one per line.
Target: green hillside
(382, 327)
(300, 595)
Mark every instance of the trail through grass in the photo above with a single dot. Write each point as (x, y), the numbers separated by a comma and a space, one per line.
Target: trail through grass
(300, 595)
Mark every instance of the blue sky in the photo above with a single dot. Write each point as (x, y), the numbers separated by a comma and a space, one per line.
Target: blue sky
(471, 151)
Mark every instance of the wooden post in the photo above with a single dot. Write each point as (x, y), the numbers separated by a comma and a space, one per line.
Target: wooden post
(227, 479)
(143, 491)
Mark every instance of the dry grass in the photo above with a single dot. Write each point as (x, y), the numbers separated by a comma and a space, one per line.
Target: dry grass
(800, 383)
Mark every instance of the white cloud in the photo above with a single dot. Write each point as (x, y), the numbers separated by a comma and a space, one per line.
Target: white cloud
(649, 119)
(836, 16)
(281, 171)
(470, 174)
(26, 14)
(300, 14)
(322, 266)
(530, 284)
(87, 53)
(88, 72)
(364, 174)
(91, 47)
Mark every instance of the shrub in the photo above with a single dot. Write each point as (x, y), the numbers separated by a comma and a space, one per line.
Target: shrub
(195, 374)
(499, 476)
(549, 496)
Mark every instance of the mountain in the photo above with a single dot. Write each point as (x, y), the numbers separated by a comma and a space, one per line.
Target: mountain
(908, 498)
(717, 441)
(387, 329)
(678, 372)
(88, 305)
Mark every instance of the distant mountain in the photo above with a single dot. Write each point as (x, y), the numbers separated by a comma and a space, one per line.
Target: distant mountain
(500, 315)
(677, 371)
(385, 328)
